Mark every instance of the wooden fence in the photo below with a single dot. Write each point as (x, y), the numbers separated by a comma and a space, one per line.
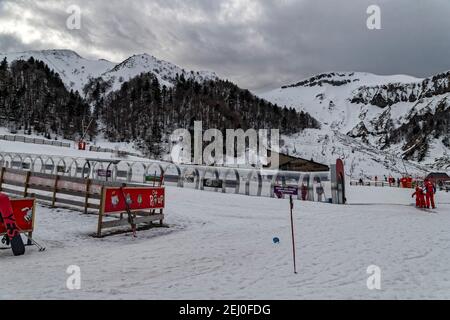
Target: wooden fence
(83, 194)
(23, 139)
(86, 195)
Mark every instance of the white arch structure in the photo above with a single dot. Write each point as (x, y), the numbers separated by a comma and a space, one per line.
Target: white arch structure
(250, 182)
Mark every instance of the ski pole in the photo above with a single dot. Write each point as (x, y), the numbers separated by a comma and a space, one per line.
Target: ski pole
(293, 234)
(41, 248)
(130, 215)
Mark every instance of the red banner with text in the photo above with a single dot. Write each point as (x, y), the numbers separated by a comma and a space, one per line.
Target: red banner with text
(138, 199)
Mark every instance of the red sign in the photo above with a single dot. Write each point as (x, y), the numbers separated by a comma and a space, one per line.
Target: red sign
(81, 145)
(23, 213)
(138, 199)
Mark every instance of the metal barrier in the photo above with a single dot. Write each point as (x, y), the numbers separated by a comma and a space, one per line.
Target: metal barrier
(375, 184)
(250, 182)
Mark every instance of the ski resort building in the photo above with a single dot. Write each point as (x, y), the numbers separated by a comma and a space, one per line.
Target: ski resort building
(291, 163)
(438, 178)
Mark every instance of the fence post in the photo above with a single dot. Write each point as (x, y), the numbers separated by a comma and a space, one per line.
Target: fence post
(86, 199)
(55, 190)
(30, 234)
(2, 173)
(100, 214)
(27, 181)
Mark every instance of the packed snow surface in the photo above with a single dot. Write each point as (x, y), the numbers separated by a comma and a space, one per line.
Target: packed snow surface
(219, 246)
(38, 149)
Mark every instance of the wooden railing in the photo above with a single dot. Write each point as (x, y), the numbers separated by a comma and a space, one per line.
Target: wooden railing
(56, 190)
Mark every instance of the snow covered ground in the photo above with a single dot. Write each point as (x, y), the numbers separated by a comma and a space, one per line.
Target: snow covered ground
(360, 160)
(219, 246)
(22, 147)
(38, 149)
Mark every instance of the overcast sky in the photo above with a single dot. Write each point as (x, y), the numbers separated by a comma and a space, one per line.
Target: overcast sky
(257, 44)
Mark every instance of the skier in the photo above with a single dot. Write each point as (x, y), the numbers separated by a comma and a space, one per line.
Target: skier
(422, 197)
(420, 201)
(430, 191)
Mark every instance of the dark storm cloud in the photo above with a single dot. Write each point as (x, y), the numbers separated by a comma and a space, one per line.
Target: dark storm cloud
(258, 44)
(10, 43)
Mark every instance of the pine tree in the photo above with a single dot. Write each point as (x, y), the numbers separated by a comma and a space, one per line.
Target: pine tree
(4, 65)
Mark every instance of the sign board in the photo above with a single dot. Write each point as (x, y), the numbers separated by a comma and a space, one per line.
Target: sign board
(81, 145)
(286, 190)
(138, 199)
(104, 173)
(213, 183)
(142, 203)
(152, 178)
(122, 174)
(23, 210)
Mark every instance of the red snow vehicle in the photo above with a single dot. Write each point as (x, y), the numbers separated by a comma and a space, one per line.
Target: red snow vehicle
(16, 218)
(10, 229)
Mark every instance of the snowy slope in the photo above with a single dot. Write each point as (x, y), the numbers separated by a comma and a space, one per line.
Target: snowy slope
(212, 251)
(166, 72)
(369, 109)
(360, 159)
(74, 70)
(326, 97)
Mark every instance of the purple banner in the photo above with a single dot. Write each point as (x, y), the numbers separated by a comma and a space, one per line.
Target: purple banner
(290, 191)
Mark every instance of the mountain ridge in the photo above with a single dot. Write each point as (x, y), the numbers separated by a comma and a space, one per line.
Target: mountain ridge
(401, 114)
(77, 71)
(394, 114)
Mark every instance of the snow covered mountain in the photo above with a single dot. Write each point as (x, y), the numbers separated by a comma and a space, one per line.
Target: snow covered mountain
(393, 116)
(76, 72)
(166, 72)
(327, 97)
(372, 121)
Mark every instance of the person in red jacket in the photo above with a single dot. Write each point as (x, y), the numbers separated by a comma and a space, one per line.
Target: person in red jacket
(430, 194)
(420, 199)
